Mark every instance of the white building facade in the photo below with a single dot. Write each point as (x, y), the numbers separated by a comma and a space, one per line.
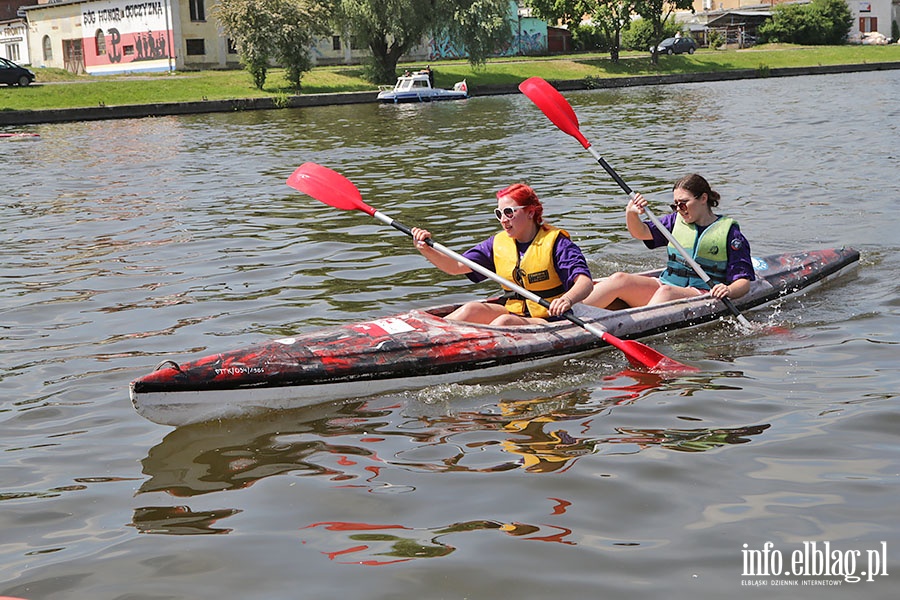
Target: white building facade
(868, 15)
(126, 36)
(872, 15)
(14, 41)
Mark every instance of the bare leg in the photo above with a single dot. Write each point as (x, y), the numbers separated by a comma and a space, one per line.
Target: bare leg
(478, 312)
(511, 319)
(666, 293)
(634, 290)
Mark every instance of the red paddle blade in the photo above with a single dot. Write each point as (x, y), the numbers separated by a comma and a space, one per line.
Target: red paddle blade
(643, 356)
(552, 104)
(329, 187)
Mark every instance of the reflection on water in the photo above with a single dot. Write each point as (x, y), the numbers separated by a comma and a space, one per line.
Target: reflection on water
(377, 545)
(367, 444)
(179, 520)
(142, 240)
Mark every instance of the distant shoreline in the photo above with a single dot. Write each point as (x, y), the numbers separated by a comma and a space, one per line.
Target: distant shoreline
(96, 113)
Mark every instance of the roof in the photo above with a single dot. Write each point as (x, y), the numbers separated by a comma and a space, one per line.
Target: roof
(54, 4)
(734, 17)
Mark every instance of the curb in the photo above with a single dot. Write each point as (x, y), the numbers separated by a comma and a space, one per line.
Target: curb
(135, 111)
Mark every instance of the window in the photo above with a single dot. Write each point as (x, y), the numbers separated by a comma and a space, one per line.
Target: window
(48, 48)
(232, 47)
(195, 47)
(12, 52)
(335, 42)
(101, 42)
(198, 10)
(868, 24)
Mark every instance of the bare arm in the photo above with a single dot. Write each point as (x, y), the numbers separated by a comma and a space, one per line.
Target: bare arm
(580, 290)
(636, 226)
(448, 265)
(735, 289)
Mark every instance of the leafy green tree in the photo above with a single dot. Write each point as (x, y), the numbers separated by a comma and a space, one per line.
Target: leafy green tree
(658, 13)
(391, 28)
(589, 38)
(568, 12)
(641, 35)
(610, 17)
(267, 30)
(299, 24)
(250, 26)
(614, 17)
(821, 22)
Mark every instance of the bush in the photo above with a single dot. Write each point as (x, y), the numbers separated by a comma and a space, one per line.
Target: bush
(590, 39)
(639, 35)
(822, 22)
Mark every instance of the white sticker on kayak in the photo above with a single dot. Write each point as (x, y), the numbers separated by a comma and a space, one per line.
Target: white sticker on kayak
(383, 327)
(286, 341)
(760, 265)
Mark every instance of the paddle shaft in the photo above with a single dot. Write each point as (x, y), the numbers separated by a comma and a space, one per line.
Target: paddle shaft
(336, 190)
(668, 234)
(603, 334)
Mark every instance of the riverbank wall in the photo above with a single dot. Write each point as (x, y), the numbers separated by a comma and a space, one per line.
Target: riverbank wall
(95, 113)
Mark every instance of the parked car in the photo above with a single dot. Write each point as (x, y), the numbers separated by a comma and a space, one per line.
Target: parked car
(676, 45)
(13, 74)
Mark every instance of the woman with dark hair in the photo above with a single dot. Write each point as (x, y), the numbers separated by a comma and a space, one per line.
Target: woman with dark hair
(536, 256)
(714, 242)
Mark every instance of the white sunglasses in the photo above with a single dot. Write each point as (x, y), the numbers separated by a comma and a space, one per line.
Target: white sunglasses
(509, 212)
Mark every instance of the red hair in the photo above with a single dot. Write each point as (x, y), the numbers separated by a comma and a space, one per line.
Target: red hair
(523, 195)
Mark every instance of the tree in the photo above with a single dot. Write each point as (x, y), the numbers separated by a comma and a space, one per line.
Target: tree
(568, 12)
(640, 34)
(589, 38)
(609, 17)
(657, 13)
(614, 16)
(821, 22)
(267, 30)
(299, 24)
(390, 28)
(249, 25)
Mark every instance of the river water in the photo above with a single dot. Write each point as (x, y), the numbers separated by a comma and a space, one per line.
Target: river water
(128, 242)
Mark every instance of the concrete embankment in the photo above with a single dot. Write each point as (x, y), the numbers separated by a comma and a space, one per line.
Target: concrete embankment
(27, 117)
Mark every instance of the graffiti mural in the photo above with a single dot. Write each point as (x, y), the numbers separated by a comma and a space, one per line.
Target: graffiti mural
(123, 37)
(529, 36)
(533, 42)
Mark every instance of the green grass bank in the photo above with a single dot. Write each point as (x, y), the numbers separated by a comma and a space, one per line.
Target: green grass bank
(56, 89)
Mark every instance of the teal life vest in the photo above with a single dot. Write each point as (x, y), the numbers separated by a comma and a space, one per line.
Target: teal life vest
(709, 249)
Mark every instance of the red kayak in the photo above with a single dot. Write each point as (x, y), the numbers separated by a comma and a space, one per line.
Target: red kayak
(420, 348)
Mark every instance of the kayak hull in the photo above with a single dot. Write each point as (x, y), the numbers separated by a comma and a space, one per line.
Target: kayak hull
(420, 348)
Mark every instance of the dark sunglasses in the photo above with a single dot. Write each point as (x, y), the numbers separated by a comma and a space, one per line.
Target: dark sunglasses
(509, 212)
(679, 205)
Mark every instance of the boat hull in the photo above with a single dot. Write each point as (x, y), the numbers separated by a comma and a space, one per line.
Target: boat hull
(431, 95)
(420, 348)
(16, 137)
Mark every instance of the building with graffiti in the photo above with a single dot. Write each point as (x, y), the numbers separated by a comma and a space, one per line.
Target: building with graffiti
(105, 37)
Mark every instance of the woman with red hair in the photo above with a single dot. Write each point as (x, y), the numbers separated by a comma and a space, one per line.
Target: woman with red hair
(535, 255)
